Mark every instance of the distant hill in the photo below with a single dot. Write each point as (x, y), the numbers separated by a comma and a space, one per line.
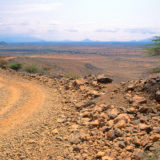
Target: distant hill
(28, 39)
(2, 43)
(19, 39)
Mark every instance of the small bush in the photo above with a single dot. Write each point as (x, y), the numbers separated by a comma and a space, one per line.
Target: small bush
(47, 68)
(15, 66)
(71, 75)
(32, 69)
(2, 62)
(156, 70)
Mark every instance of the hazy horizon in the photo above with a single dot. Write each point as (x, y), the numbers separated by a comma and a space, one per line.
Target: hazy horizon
(76, 20)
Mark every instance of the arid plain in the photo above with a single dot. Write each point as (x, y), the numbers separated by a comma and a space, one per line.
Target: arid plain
(119, 61)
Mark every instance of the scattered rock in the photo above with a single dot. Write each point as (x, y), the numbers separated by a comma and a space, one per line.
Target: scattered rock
(100, 154)
(120, 124)
(103, 79)
(157, 96)
(155, 137)
(110, 135)
(145, 127)
(138, 154)
(121, 144)
(112, 113)
(137, 100)
(107, 158)
(131, 87)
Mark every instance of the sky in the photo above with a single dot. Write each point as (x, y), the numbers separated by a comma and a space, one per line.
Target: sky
(101, 20)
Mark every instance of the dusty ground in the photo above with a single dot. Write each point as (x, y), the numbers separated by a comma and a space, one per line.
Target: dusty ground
(120, 62)
(28, 115)
(118, 66)
(44, 118)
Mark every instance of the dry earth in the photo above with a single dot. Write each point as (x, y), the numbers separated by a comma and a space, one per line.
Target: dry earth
(44, 118)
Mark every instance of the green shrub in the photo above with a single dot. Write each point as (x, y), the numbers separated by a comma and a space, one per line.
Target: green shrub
(32, 69)
(15, 66)
(71, 75)
(2, 62)
(156, 70)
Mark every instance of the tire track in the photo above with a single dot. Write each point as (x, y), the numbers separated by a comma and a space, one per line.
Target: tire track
(12, 99)
(33, 104)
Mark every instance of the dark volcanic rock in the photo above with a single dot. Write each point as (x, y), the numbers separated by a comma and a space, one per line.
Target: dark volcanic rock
(103, 79)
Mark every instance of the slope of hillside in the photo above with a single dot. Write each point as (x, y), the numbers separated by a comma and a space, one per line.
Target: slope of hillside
(51, 118)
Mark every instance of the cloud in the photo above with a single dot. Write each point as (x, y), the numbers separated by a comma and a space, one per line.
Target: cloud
(107, 30)
(71, 30)
(140, 30)
(29, 8)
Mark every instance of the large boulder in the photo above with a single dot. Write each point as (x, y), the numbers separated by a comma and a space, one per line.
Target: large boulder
(103, 79)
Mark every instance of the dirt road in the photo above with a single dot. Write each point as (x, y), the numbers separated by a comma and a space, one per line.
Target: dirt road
(30, 116)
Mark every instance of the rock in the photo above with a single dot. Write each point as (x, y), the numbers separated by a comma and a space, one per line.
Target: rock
(131, 110)
(157, 96)
(94, 123)
(156, 129)
(82, 105)
(86, 114)
(136, 141)
(123, 116)
(121, 144)
(100, 154)
(118, 132)
(61, 120)
(93, 93)
(137, 100)
(113, 113)
(131, 87)
(145, 127)
(55, 131)
(155, 137)
(79, 82)
(107, 158)
(138, 154)
(144, 109)
(120, 124)
(110, 135)
(77, 148)
(130, 148)
(82, 88)
(110, 123)
(84, 137)
(74, 127)
(103, 79)
(75, 139)
(59, 158)
(4, 67)
(94, 83)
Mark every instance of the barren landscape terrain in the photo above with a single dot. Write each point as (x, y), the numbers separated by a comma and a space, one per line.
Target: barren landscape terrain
(51, 118)
(44, 116)
(119, 61)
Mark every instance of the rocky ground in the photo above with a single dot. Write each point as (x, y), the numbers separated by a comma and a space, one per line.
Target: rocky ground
(89, 118)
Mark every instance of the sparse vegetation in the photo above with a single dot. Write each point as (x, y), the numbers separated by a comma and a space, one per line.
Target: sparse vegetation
(47, 68)
(71, 75)
(153, 49)
(32, 69)
(156, 70)
(89, 66)
(15, 66)
(2, 62)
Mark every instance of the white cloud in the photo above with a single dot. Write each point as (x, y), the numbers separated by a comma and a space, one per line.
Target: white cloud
(30, 8)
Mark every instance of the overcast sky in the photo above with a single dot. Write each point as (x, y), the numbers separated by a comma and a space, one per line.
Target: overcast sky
(103, 20)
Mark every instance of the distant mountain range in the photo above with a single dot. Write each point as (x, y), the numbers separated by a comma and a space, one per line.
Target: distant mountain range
(27, 39)
(19, 39)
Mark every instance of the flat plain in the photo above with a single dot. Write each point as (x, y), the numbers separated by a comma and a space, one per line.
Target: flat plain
(119, 61)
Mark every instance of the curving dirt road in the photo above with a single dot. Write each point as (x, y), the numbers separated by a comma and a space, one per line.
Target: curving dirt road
(30, 119)
(20, 112)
